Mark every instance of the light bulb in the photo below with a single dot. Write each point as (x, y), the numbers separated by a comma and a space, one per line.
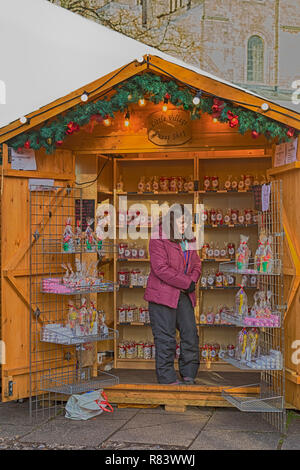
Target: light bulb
(140, 59)
(129, 97)
(127, 117)
(23, 120)
(196, 99)
(107, 122)
(164, 107)
(265, 107)
(84, 96)
(215, 120)
(142, 102)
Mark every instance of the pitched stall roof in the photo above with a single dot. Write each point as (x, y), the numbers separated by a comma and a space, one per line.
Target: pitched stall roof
(53, 51)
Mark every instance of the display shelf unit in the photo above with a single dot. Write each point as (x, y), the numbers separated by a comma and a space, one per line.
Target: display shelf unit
(272, 380)
(131, 169)
(62, 364)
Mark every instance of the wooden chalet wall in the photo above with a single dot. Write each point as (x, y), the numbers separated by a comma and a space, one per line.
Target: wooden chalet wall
(15, 251)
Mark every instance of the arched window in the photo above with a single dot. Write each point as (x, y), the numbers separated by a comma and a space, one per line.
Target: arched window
(255, 59)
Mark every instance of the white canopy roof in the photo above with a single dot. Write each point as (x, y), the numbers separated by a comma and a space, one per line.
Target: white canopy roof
(47, 52)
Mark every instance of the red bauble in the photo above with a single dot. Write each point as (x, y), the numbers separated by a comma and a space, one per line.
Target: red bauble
(255, 134)
(215, 108)
(59, 142)
(230, 114)
(290, 132)
(167, 96)
(20, 149)
(234, 121)
(218, 102)
(27, 144)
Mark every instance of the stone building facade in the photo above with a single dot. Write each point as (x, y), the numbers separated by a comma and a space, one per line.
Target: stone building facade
(253, 43)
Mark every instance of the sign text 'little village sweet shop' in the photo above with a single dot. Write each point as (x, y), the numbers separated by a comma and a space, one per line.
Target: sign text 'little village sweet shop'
(169, 127)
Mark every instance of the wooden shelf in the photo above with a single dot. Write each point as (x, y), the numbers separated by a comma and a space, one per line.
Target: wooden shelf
(181, 193)
(145, 260)
(132, 287)
(209, 325)
(217, 260)
(284, 168)
(224, 226)
(160, 193)
(226, 287)
(105, 191)
(225, 191)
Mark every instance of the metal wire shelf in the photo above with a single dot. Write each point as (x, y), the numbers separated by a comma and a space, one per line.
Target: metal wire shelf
(57, 337)
(230, 267)
(49, 246)
(244, 366)
(62, 289)
(271, 404)
(68, 383)
(227, 226)
(252, 322)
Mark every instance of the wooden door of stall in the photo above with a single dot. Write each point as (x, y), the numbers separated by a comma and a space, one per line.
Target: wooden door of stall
(15, 263)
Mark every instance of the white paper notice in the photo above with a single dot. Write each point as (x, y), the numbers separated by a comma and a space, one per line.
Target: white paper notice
(291, 151)
(265, 197)
(36, 184)
(280, 153)
(23, 159)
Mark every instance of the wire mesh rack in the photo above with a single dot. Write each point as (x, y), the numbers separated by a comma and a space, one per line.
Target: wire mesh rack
(254, 404)
(60, 334)
(56, 359)
(253, 365)
(274, 320)
(271, 400)
(56, 246)
(70, 381)
(56, 286)
(230, 267)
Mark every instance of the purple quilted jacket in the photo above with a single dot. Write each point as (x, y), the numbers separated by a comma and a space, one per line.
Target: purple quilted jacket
(167, 277)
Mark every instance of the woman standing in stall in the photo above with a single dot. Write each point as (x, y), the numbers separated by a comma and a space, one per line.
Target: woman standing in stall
(170, 291)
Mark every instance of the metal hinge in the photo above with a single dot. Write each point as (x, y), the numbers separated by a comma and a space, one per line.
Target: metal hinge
(36, 235)
(37, 312)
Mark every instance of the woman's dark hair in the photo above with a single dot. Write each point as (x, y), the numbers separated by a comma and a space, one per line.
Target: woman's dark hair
(168, 222)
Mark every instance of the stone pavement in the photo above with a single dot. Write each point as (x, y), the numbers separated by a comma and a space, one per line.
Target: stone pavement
(139, 428)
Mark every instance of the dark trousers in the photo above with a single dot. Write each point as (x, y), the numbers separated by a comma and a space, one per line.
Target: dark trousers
(164, 321)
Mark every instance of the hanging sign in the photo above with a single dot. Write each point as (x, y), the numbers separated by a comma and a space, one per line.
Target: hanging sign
(171, 127)
(84, 209)
(286, 153)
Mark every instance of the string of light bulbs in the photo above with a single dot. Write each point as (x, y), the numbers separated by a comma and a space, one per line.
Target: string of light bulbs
(85, 96)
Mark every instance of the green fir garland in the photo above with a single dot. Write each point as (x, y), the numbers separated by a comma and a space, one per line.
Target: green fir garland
(155, 89)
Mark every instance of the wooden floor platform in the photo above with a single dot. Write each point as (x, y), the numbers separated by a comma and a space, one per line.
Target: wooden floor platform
(140, 387)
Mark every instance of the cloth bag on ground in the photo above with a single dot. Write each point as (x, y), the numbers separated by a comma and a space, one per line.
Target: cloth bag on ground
(88, 405)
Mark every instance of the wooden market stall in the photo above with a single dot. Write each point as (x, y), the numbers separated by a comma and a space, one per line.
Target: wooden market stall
(102, 153)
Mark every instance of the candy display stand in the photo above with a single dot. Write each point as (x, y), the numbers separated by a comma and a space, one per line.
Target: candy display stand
(270, 284)
(56, 338)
